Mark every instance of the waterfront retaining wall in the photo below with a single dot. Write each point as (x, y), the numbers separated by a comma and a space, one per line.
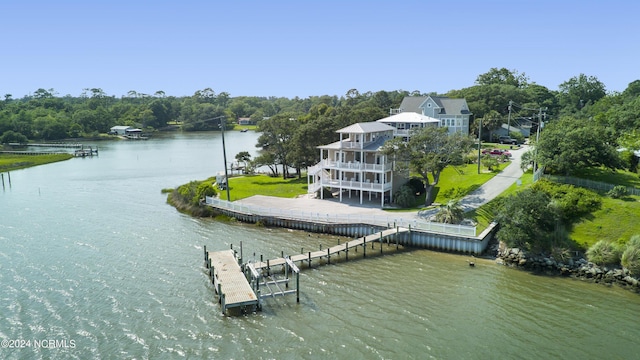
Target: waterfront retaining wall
(414, 238)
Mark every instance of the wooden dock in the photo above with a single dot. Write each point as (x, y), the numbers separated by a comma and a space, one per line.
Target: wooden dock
(234, 289)
(230, 283)
(334, 250)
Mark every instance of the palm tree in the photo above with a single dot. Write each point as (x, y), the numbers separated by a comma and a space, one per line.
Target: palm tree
(450, 213)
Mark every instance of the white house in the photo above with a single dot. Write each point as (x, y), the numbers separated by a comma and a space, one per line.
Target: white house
(404, 122)
(452, 113)
(119, 130)
(354, 165)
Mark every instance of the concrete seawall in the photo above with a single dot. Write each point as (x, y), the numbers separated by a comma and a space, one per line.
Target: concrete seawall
(415, 238)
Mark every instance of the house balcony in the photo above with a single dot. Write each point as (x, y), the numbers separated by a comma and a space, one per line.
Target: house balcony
(350, 184)
(349, 165)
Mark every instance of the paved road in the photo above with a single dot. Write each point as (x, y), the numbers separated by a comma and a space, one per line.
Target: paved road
(480, 196)
(499, 183)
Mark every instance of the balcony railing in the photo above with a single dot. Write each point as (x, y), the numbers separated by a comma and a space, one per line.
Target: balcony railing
(348, 165)
(355, 185)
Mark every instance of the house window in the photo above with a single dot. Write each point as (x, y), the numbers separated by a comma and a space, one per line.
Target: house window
(442, 122)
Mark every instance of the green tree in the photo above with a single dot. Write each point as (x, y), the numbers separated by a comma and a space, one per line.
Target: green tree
(568, 145)
(276, 138)
(580, 91)
(502, 76)
(429, 151)
(528, 220)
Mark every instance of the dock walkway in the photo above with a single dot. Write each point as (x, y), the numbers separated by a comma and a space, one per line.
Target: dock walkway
(229, 281)
(332, 251)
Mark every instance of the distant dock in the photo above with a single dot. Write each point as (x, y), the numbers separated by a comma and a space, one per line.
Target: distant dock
(80, 149)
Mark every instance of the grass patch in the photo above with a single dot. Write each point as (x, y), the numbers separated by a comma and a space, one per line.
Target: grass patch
(242, 127)
(617, 177)
(246, 186)
(456, 182)
(9, 162)
(616, 220)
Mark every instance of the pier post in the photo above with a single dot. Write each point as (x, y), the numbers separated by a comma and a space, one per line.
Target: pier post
(382, 241)
(298, 287)
(309, 259)
(9, 176)
(346, 249)
(222, 303)
(210, 270)
(2, 175)
(397, 231)
(364, 247)
(206, 257)
(241, 252)
(328, 256)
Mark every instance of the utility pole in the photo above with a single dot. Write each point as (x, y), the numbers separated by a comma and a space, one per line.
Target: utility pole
(535, 156)
(479, 143)
(509, 120)
(224, 154)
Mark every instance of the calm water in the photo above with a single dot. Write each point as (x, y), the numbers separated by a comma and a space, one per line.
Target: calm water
(92, 258)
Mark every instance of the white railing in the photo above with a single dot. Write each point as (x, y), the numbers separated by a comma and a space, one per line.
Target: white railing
(348, 165)
(383, 221)
(401, 132)
(352, 184)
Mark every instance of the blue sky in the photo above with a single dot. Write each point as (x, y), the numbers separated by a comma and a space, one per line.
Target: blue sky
(307, 48)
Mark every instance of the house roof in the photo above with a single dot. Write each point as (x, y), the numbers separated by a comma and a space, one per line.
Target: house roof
(365, 127)
(412, 104)
(372, 146)
(408, 117)
(450, 106)
(120, 127)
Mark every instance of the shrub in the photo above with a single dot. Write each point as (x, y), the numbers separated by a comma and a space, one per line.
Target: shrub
(618, 192)
(631, 255)
(572, 201)
(417, 186)
(604, 252)
(450, 213)
(405, 197)
(489, 162)
(204, 189)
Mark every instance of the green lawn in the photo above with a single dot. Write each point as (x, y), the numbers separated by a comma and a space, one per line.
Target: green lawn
(459, 181)
(9, 162)
(245, 186)
(618, 177)
(616, 220)
(241, 127)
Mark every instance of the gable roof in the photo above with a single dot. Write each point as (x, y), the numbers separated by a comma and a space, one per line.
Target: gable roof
(365, 127)
(451, 106)
(409, 117)
(412, 103)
